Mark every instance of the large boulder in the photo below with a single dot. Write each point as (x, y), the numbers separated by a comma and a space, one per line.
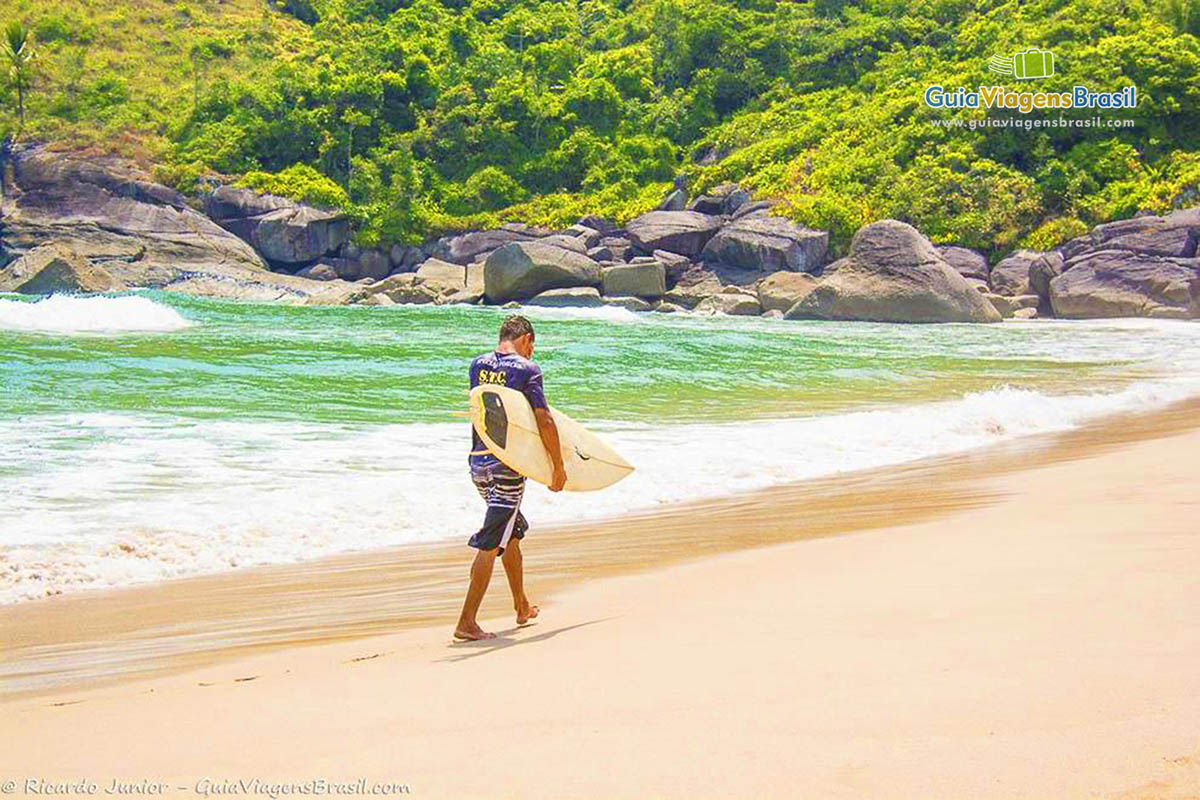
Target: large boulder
(634, 280)
(676, 200)
(574, 297)
(112, 213)
(780, 291)
(683, 232)
(442, 277)
(735, 303)
(692, 287)
(472, 246)
(674, 265)
(969, 263)
(767, 244)
(1173, 235)
(520, 270)
(723, 199)
(1118, 283)
(406, 287)
(894, 274)
(55, 268)
(1011, 277)
(287, 234)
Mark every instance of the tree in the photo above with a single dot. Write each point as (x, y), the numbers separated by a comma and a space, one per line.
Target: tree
(18, 51)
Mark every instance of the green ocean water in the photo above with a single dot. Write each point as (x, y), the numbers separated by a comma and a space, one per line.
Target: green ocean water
(153, 436)
(407, 364)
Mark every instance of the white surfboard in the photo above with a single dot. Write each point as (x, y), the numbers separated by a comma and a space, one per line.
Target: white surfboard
(505, 422)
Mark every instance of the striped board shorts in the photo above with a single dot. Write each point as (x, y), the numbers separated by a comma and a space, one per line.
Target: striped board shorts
(501, 488)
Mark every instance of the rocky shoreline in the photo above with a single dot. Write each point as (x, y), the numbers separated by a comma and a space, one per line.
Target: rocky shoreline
(75, 224)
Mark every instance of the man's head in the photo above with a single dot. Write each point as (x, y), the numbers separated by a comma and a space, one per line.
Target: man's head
(519, 331)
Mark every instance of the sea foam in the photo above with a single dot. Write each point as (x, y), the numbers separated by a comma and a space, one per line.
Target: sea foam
(65, 314)
(134, 498)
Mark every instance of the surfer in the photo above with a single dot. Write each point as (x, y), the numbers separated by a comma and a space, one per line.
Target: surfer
(501, 488)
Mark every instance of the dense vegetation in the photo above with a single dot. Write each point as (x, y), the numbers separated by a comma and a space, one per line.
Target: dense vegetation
(435, 115)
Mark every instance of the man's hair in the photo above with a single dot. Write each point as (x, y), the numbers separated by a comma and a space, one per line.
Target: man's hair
(515, 327)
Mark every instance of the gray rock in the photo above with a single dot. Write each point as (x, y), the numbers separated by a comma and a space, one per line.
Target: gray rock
(1026, 313)
(695, 285)
(673, 264)
(893, 274)
(442, 277)
(782, 290)
(683, 232)
(1008, 306)
(600, 253)
(1119, 283)
(723, 199)
(629, 303)
(406, 287)
(575, 297)
(475, 245)
(1041, 272)
(597, 223)
(318, 272)
(668, 308)
(142, 233)
(590, 236)
(676, 200)
(773, 313)
(374, 264)
(707, 204)
(566, 241)
(523, 269)
(53, 269)
(620, 247)
(734, 304)
(767, 244)
(754, 208)
(284, 232)
(1011, 276)
(638, 280)
(969, 263)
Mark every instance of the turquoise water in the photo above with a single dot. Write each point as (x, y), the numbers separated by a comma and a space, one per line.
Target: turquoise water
(154, 435)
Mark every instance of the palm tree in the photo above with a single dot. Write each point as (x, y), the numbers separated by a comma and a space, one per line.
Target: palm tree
(18, 50)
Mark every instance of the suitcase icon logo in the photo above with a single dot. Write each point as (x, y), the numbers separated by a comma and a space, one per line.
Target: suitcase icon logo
(1031, 63)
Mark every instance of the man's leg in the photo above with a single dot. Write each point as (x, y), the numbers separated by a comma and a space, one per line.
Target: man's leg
(481, 575)
(514, 568)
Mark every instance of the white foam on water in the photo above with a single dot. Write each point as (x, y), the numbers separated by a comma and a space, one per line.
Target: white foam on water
(93, 501)
(65, 314)
(597, 314)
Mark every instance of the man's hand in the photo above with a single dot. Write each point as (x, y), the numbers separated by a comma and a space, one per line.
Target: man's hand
(549, 433)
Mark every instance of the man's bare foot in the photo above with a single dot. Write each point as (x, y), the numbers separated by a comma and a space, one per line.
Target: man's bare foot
(527, 613)
(472, 633)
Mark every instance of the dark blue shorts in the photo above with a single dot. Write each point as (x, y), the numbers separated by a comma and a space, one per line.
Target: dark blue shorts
(501, 488)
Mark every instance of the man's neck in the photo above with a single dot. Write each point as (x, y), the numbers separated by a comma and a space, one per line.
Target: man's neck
(506, 348)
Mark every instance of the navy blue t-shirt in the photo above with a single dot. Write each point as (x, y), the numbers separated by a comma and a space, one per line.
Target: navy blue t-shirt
(505, 369)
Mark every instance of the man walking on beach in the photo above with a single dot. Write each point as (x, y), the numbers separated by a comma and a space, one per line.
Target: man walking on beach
(502, 488)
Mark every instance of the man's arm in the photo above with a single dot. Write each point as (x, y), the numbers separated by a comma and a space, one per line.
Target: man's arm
(549, 433)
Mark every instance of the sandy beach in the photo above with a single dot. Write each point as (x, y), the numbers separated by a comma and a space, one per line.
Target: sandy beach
(1013, 624)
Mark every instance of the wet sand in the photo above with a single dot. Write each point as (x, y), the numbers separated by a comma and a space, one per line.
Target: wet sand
(1018, 622)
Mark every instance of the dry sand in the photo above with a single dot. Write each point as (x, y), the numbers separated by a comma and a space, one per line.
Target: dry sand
(1017, 625)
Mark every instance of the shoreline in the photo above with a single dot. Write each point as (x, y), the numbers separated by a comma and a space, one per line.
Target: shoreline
(1014, 624)
(105, 636)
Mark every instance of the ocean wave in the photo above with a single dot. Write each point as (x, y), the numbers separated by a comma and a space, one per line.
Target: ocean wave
(64, 314)
(597, 314)
(109, 500)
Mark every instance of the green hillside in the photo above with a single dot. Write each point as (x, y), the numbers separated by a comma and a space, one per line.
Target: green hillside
(430, 116)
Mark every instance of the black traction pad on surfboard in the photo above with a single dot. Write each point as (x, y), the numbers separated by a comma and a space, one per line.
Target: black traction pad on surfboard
(495, 420)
